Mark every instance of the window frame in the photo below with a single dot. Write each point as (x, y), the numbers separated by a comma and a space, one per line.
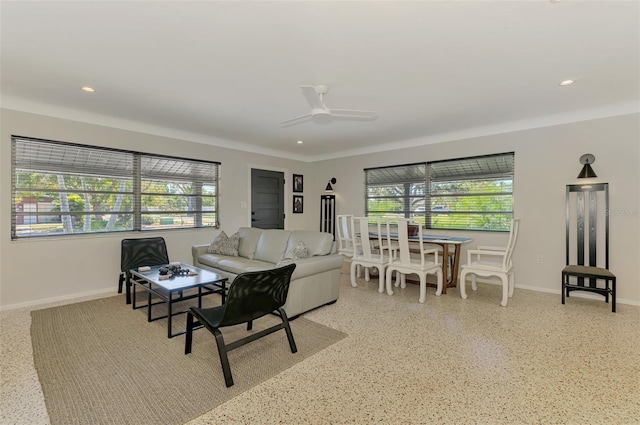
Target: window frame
(51, 159)
(498, 174)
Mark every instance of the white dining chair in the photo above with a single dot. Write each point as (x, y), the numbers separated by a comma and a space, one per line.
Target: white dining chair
(488, 261)
(370, 240)
(424, 263)
(345, 235)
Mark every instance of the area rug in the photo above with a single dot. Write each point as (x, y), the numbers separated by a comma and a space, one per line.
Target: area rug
(101, 362)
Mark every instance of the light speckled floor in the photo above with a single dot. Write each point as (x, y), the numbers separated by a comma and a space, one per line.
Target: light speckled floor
(447, 361)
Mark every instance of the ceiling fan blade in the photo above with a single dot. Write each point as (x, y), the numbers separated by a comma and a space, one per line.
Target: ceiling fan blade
(292, 120)
(354, 113)
(312, 97)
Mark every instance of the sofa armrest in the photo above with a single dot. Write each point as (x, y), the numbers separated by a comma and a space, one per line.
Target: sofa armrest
(316, 264)
(197, 251)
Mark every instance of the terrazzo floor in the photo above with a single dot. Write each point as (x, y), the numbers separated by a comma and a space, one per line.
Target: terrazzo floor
(447, 361)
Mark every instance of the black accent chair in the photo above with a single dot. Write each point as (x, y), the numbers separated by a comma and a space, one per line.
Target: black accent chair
(251, 295)
(584, 257)
(137, 253)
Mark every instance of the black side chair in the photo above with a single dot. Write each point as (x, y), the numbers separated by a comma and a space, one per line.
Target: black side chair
(584, 264)
(251, 296)
(137, 253)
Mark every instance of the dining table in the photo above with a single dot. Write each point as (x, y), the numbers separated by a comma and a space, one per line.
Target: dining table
(451, 247)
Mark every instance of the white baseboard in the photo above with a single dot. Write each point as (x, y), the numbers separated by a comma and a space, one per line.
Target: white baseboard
(576, 294)
(83, 296)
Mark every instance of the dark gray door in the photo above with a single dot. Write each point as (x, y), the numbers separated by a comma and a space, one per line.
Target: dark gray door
(267, 199)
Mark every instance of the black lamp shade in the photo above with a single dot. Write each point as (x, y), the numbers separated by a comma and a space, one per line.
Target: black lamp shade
(587, 172)
(329, 188)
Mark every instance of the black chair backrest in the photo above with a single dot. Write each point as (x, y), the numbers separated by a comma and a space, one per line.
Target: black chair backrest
(256, 294)
(143, 252)
(585, 228)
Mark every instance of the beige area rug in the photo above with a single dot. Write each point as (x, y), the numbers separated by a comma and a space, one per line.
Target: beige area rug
(101, 362)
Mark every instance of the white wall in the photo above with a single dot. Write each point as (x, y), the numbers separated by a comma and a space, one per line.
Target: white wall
(42, 269)
(546, 161)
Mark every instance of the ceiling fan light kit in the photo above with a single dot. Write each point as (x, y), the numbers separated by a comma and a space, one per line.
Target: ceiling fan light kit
(320, 112)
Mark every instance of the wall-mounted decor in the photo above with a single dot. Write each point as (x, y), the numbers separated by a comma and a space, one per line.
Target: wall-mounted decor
(328, 214)
(298, 204)
(298, 183)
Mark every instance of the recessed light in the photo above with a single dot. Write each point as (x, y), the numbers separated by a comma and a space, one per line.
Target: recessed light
(567, 82)
(88, 89)
(299, 142)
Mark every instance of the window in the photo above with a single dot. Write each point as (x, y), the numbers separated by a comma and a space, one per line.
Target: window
(468, 193)
(63, 188)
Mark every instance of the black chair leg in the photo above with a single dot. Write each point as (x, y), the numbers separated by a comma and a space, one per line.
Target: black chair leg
(224, 360)
(250, 325)
(613, 295)
(287, 328)
(120, 281)
(128, 288)
(189, 333)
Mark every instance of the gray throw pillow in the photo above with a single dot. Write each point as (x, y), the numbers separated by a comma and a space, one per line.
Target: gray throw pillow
(225, 245)
(296, 253)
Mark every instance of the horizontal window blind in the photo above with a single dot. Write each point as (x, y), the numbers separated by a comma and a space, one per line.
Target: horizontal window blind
(474, 193)
(62, 188)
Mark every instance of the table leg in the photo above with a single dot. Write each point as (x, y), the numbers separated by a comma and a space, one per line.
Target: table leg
(133, 293)
(445, 267)
(456, 266)
(169, 316)
(149, 304)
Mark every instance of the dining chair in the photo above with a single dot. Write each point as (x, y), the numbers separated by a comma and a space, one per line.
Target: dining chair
(345, 239)
(345, 235)
(371, 249)
(492, 261)
(252, 295)
(426, 262)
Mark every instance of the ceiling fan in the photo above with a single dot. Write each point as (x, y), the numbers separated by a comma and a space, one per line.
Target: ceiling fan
(320, 111)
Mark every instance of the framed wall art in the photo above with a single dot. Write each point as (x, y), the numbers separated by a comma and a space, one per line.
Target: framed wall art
(298, 204)
(298, 183)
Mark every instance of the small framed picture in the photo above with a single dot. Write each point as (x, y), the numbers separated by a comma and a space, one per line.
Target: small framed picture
(298, 204)
(298, 183)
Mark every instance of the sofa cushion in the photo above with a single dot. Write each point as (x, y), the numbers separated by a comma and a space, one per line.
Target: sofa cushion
(317, 243)
(272, 245)
(249, 237)
(225, 245)
(235, 265)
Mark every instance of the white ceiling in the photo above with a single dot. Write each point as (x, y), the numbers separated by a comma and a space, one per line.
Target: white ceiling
(227, 73)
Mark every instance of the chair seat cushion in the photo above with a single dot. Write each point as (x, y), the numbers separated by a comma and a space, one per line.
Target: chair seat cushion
(588, 271)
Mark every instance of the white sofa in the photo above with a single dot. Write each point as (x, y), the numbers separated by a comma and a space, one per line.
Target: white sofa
(315, 281)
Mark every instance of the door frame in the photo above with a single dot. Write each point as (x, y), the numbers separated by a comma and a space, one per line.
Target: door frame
(252, 166)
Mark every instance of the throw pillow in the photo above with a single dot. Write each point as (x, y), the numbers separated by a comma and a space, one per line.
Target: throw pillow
(298, 252)
(225, 245)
